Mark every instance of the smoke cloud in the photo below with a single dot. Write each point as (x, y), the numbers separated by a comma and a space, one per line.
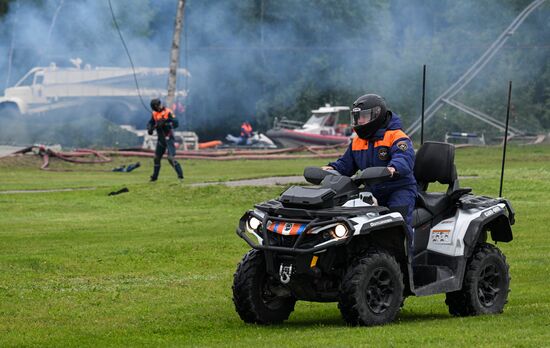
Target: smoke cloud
(260, 59)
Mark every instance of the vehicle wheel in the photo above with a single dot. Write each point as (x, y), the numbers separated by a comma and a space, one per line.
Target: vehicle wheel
(372, 290)
(256, 294)
(9, 111)
(486, 284)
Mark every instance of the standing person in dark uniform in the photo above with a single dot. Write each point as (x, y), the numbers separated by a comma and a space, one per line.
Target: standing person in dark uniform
(381, 141)
(164, 121)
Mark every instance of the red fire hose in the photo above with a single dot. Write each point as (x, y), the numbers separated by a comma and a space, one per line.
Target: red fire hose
(83, 155)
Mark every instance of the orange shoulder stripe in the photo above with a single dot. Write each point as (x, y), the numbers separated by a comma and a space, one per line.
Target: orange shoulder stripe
(390, 137)
(359, 144)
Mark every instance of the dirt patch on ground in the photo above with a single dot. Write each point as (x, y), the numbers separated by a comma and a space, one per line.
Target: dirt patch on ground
(48, 191)
(273, 181)
(8, 150)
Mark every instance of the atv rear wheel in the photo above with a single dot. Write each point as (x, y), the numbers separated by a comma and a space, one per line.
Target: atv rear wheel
(486, 284)
(372, 290)
(255, 293)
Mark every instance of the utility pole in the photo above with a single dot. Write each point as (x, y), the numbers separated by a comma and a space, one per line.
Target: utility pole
(175, 53)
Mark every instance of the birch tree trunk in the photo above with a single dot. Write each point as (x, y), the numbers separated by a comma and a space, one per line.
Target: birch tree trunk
(175, 54)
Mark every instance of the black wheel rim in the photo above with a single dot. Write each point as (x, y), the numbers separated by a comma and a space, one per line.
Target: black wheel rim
(380, 289)
(489, 285)
(269, 298)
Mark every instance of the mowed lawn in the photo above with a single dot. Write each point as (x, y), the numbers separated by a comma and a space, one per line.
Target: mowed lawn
(154, 266)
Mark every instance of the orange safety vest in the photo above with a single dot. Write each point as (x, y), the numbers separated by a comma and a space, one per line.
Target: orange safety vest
(246, 129)
(161, 115)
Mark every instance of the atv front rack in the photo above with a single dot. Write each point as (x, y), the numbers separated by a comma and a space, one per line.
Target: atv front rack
(274, 207)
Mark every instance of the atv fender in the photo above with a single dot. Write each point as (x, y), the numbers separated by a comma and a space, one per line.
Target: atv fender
(382, 227)
(389, 232)
(383, 222)
(494, 220)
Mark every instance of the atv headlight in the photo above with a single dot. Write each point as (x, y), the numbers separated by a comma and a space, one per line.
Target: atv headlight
(340, 231)
(254, 223)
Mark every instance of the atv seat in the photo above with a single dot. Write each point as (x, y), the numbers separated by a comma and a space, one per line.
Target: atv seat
(434, 202)
(420, 216)
(435, 162)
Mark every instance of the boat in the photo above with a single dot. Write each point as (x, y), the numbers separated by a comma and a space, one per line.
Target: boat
(328, 125)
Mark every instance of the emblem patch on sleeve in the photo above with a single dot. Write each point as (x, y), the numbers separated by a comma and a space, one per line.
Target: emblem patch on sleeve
(402, 145)
(383, 153)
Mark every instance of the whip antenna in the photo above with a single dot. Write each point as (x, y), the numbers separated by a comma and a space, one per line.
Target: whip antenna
(423, 98)
(505, 137)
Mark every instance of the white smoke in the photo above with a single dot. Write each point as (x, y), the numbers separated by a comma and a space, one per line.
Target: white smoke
(242, 61)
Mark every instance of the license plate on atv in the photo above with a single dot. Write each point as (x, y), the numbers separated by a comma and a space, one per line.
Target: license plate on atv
(286, 228)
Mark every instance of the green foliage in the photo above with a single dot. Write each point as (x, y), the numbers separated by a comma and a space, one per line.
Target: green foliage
(302, 54)
(4, 6)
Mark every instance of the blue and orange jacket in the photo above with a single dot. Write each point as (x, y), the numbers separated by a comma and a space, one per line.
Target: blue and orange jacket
(246, 130)
(390, 146)
(165, 117)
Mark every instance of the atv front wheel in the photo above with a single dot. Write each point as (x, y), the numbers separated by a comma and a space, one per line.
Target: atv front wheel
(372, 290)
(486, 284)
(258, 297)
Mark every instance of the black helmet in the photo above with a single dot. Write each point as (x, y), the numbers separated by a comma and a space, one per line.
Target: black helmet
(368, 114)
(156, 104)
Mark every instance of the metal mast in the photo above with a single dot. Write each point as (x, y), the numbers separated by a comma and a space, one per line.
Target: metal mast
(446, 97)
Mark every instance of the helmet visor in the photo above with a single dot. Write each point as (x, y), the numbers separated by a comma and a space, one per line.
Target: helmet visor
(359, 117)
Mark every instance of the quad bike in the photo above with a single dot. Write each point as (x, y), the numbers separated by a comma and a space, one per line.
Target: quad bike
(330, 243)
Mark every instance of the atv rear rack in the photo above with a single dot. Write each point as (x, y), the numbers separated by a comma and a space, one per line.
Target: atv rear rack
(482, 202)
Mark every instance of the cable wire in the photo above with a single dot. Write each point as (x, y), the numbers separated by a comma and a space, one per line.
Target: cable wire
(128, 54)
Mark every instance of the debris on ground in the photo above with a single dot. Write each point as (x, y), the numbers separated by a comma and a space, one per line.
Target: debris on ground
(127, 169)
(122, 190)
(76, 156)
(88, 156)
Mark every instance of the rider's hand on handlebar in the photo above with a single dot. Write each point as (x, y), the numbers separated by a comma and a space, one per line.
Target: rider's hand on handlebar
(392, 171)
(327, 168)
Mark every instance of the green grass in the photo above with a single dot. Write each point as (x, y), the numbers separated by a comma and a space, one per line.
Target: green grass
(153, 267)
(18, 174)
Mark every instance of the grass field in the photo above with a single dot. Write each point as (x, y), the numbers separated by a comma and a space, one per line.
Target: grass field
(154, 267)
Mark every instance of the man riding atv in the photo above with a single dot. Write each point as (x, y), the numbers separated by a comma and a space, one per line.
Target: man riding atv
(331, 242)
(380, 142)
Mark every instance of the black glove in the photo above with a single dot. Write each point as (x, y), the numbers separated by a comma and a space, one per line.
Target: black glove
(150, 128)
(161, 123)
